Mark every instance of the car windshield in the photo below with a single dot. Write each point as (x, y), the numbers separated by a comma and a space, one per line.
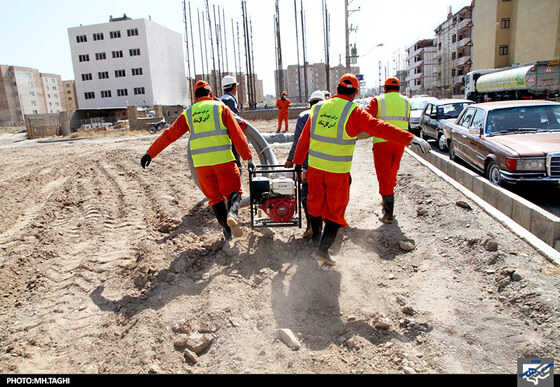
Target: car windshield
(524, 119)
(451, 110)
(419, 104)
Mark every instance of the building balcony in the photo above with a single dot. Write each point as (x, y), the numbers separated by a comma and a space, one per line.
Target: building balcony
(464, 24)
(465, 42)
(463, 61)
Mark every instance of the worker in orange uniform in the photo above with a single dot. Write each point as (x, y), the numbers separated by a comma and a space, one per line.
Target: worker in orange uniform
(394, 108)
(213, 128)
(283, 104)
(329, 137)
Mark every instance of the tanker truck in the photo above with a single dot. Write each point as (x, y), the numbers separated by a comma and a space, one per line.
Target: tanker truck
(538, 80)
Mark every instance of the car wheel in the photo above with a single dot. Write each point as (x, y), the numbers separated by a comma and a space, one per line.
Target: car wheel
(441, 143)
(493, 173)
(452, 155)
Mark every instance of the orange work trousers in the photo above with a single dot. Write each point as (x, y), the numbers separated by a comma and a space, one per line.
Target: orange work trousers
(387, 159)
(329, 194)
(283, 116)
(219, 181)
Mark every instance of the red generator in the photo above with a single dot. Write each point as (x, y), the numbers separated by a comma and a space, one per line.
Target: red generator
(275, 196)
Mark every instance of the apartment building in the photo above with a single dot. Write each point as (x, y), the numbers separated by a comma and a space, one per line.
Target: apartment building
(454, 51)
(316, 79)
(25, 91)
(506, 32)
(127, 62)
(421, 67)
(69, 95)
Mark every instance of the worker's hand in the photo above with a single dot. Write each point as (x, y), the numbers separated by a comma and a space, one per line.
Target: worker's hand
(423, 144)
(288, 164)
(250, 165)
(297, 168)
(242, 123)
(145, 160)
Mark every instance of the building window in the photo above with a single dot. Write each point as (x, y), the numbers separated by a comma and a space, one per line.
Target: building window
(137, 71)
(504, 50)
(132, 32)
(453, 38)
(505, 23)
(83, 58)
(453, 72)
(98, 36)
(100, 56)
(81, 38)
(139, 90)
(117, 54)
(103, 74)
(115, 34)
(134, 51)
(86, 77)
(453, 55)
(120, 73)
(122, 92)
(89, 95)
(105, 93)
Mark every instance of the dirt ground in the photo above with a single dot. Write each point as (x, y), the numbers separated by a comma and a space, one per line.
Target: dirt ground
(108, 268)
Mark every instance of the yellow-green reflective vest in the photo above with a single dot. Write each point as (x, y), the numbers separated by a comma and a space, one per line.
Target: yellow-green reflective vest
(209, 142)
(330, 147)
(393, 108)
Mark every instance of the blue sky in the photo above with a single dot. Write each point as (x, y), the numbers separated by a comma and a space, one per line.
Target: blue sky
(34, 32)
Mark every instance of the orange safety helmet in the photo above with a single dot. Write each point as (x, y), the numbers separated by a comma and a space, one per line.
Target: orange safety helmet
(392, 82)
(200, 84)
(350, 81)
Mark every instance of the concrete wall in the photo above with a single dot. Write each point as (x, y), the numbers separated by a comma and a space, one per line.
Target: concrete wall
(534, 219)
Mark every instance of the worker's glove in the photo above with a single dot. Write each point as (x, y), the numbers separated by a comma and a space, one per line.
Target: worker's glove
(145, 160)
(250, 165)
(288, 164)
(423, 144)
(242, 123)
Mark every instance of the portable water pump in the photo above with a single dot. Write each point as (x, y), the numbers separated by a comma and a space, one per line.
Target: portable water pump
(275, 196)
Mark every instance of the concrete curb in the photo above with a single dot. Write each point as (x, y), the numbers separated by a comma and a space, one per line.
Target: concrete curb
(531, 223)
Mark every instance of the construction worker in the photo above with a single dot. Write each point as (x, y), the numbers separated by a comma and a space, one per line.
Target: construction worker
(316, 97)
(394, 108)
(229, 87)
(329, 137)
(213, 128)
(283, 104)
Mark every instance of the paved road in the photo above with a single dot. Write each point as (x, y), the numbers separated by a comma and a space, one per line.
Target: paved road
(545, 196)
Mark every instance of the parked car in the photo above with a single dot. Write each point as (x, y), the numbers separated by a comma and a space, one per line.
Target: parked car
(509, 141)
(417, 105)
(436, 114)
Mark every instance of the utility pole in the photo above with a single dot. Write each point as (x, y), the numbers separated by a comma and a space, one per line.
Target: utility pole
(212, 45)
(279, 65)
(304, 49)
(192, 42)
(297, 47)
(189, 79)
(347, 13)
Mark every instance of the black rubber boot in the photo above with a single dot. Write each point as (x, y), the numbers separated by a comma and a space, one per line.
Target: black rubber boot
(233, 209)
(316, 227)
(221, 214)
(327, 240)
(388, 204)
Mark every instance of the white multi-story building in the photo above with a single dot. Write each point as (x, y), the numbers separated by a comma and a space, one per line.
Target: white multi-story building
(127, 62)
(421, 67)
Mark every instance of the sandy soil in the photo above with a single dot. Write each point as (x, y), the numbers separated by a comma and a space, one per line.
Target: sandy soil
(108, 268)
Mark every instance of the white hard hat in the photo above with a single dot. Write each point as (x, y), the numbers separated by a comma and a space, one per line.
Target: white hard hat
(317, 95)
(228, 80)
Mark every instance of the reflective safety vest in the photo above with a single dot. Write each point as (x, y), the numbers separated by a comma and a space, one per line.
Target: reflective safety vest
(330, 147)
(393, 108)
(209, 142)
